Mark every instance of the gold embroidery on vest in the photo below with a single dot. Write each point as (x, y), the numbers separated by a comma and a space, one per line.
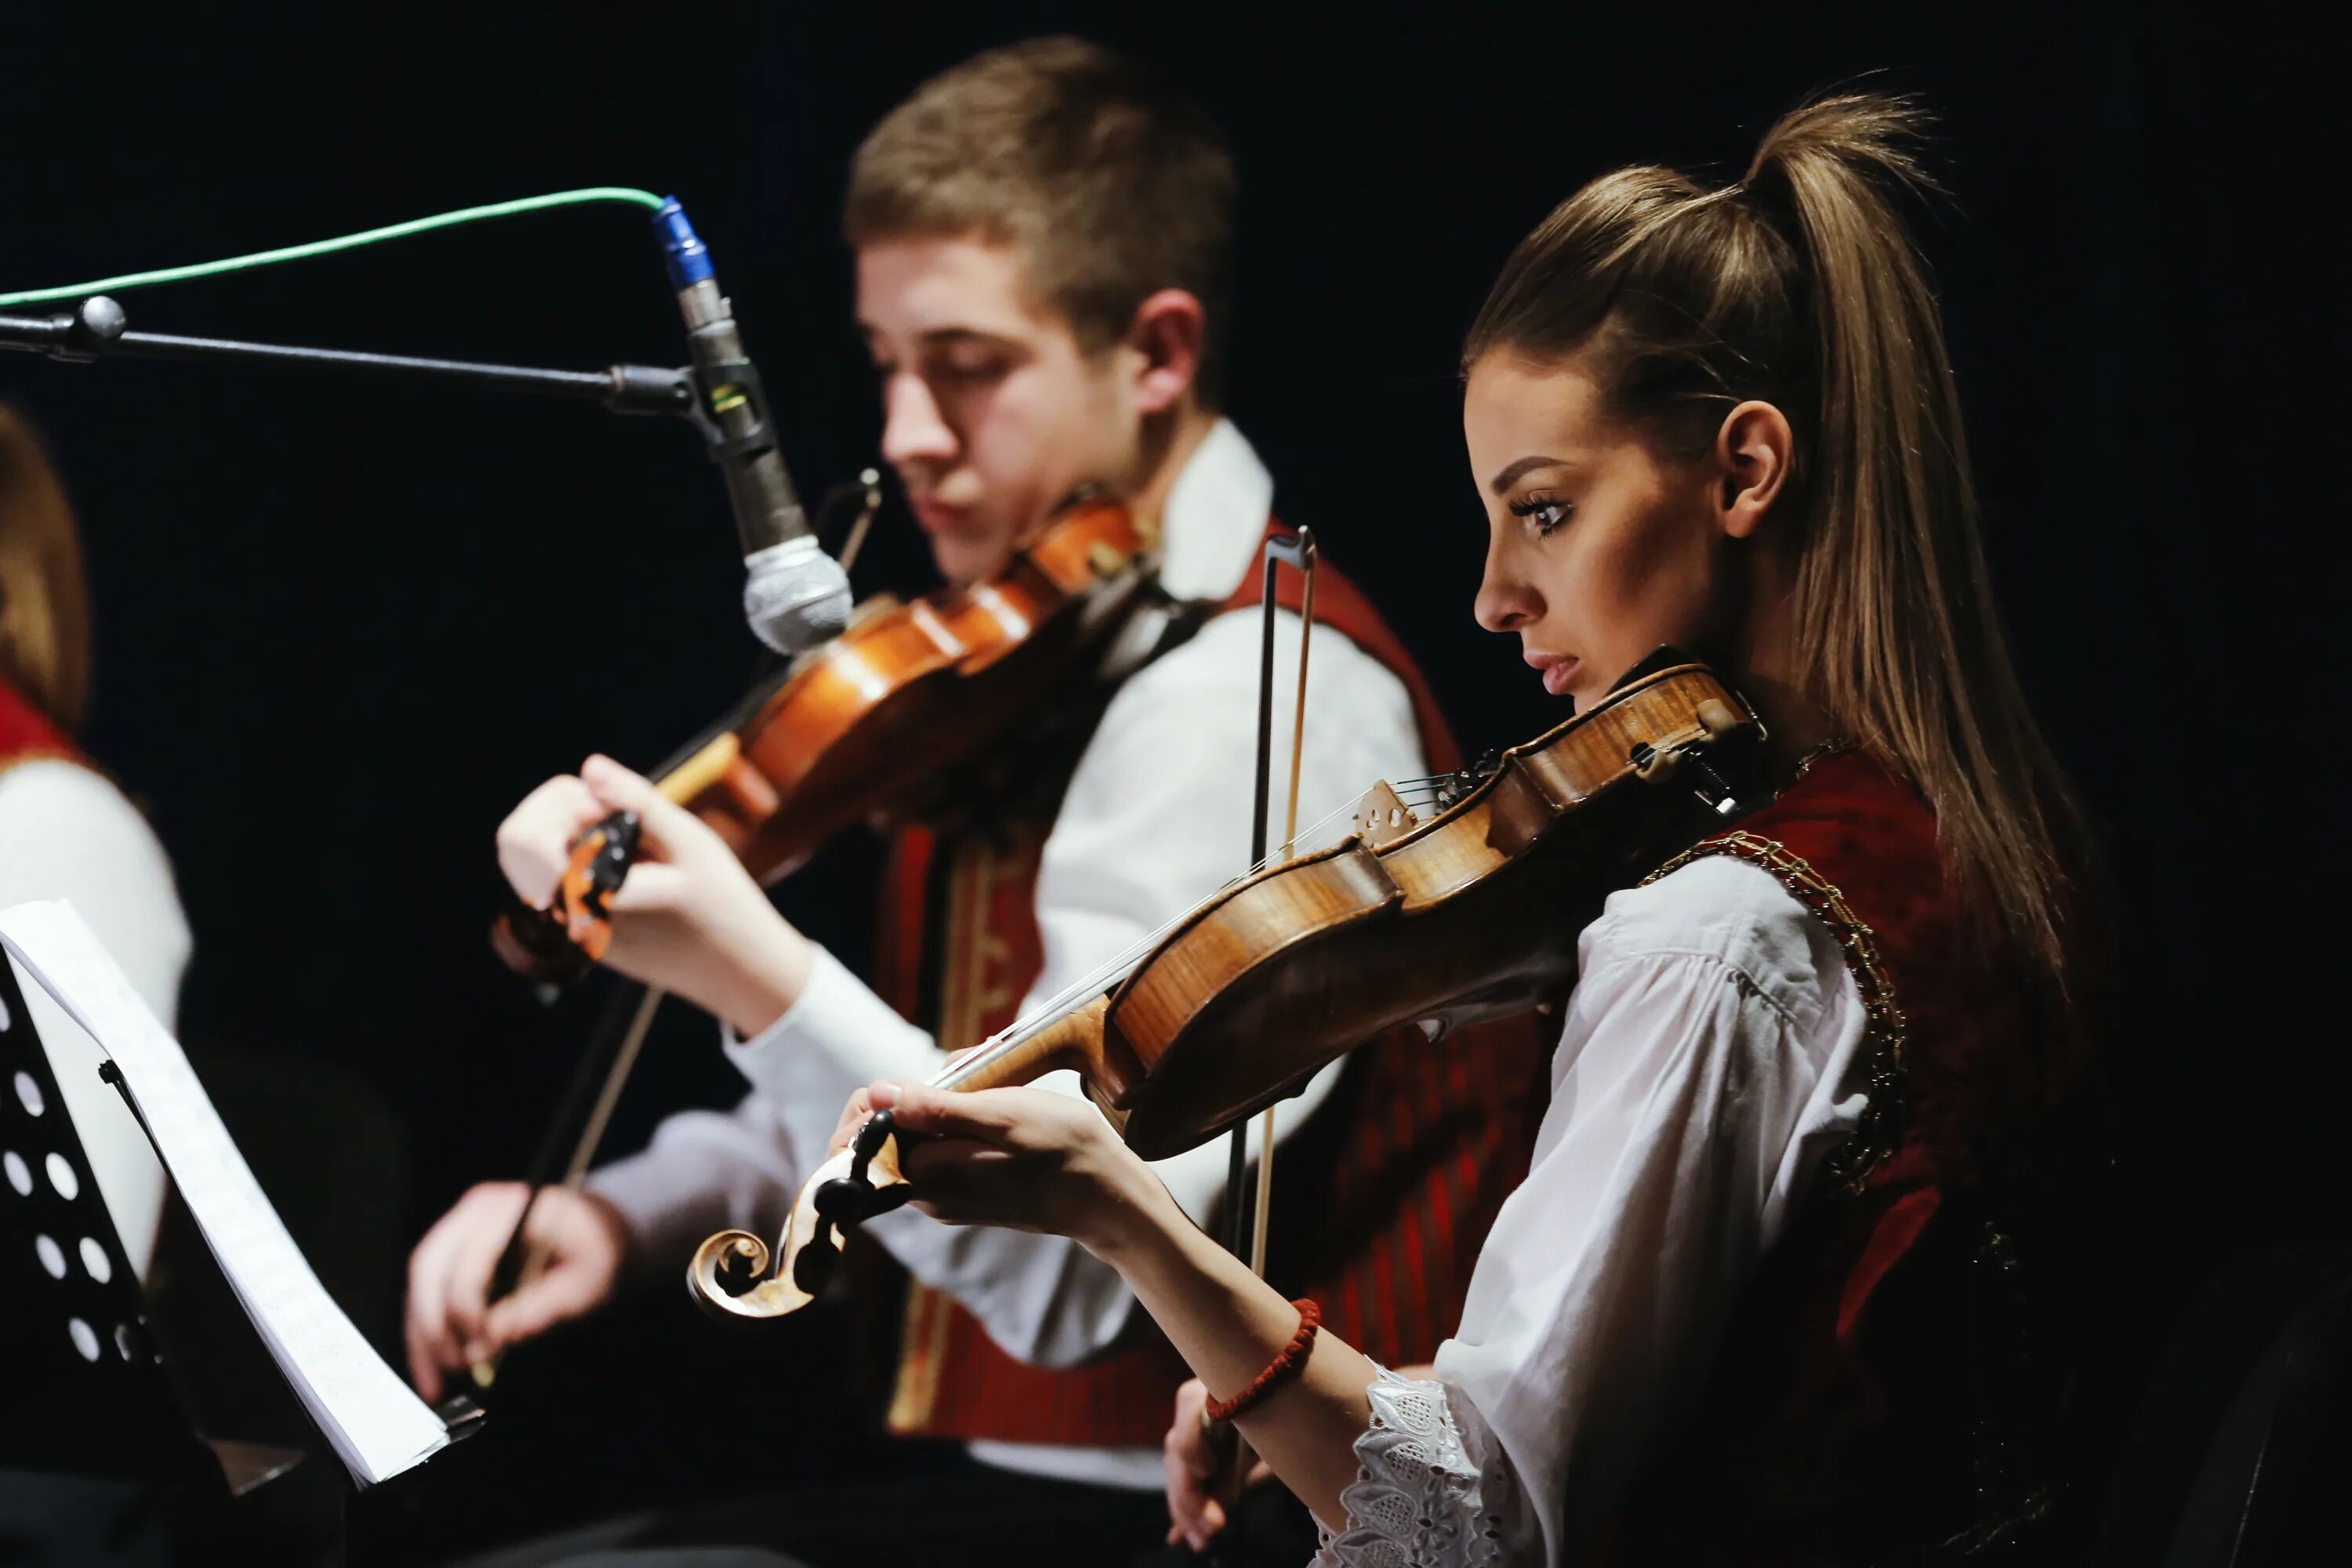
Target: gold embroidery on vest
(923, 1346)
(974, 991)
(972, 985)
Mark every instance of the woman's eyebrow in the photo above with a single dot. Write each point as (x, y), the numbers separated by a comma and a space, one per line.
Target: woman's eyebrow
(1510, 472)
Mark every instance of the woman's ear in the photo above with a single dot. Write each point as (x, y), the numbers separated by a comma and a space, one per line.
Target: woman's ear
(1166, 339)
(1752, 453)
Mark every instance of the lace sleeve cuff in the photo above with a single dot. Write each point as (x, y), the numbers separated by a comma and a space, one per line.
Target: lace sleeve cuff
(1417, 1501)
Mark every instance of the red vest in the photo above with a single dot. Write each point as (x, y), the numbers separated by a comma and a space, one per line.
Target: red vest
(27, 732)
(1848, 1414)
(1385, 1195)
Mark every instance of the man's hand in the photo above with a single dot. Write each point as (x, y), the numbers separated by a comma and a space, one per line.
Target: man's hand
(452, 1324)
(1198, 1464)
(689, 919)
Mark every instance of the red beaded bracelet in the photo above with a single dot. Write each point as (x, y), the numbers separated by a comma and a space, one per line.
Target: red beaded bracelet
(1282, 1367)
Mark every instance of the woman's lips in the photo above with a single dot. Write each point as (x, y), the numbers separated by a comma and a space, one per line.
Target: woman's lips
(1556, 667)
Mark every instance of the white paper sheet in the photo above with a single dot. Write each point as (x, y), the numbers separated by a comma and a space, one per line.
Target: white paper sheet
(375, 1421)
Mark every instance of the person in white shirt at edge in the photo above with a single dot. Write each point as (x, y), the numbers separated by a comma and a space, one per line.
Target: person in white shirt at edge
(1721, 419)
(1001, 393)
(66, 832)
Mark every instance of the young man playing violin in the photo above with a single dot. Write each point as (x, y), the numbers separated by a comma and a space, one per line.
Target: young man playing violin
(1041, 240)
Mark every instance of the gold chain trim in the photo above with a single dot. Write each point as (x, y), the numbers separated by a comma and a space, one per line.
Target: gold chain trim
(1886, 1030)
(1823, 753)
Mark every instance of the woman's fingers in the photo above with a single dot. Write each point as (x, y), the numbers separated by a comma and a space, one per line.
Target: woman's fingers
(1027, 1159)
(987, 1116)
(853, 1117)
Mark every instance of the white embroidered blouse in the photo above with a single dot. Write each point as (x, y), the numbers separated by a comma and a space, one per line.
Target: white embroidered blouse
(1707, 1065)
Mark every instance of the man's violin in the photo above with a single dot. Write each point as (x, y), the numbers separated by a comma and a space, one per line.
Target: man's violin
(880, 724)
(1468, 916)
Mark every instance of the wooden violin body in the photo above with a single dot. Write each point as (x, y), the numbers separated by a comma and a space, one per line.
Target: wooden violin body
(881, 724)
(1471, 915)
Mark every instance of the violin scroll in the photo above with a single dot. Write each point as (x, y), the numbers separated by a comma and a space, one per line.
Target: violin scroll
(730, 1274)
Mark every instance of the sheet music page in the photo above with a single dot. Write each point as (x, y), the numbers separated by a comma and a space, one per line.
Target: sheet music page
(378, 1425)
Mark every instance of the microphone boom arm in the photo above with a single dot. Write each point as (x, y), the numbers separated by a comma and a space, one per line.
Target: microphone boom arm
(97, 327)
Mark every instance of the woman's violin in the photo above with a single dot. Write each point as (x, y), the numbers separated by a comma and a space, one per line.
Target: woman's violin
(882, 724)
(1467, 916)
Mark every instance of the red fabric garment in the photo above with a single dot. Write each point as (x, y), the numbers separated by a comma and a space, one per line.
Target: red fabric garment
(27, 732)
(1841, 1423)
(1383, 1199)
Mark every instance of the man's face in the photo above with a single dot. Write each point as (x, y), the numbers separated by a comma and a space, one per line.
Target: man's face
(991, 413)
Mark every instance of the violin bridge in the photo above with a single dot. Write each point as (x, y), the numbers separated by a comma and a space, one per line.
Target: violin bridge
(1382, 818)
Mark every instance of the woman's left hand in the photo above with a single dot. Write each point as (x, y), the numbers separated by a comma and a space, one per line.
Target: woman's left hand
(1023, 1159)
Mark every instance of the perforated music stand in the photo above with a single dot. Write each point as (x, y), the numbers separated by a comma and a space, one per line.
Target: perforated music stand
(88, 1390)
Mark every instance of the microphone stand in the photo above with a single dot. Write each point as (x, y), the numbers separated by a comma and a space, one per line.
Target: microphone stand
(97, 327)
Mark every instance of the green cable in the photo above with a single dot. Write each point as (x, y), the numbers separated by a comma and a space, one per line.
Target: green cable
(645, 199)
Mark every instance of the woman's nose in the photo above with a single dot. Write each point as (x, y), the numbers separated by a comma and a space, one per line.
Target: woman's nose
(913, 430)
(1506, 600)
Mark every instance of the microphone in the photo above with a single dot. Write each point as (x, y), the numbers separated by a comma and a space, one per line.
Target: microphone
(795, 594)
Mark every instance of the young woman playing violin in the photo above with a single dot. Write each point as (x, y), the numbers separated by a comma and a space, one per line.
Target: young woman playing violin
(1726, 1317)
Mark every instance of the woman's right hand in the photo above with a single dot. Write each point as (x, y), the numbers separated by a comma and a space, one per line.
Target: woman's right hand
(689, 918)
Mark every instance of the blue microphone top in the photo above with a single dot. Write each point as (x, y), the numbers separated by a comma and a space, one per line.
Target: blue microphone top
(682, 250)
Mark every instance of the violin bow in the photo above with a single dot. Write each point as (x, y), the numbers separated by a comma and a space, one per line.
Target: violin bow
(1246, 1223)
(521, 1261)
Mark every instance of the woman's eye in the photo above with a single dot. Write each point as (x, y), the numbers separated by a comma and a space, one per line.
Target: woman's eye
(1549, 515)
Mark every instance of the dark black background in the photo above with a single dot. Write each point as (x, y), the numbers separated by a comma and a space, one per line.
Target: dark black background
(344, 626)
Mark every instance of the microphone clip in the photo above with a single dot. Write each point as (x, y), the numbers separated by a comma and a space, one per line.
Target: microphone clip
(723, 386)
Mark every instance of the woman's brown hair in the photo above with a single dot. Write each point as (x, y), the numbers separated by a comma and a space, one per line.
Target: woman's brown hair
(45, 644)
(1800, 286)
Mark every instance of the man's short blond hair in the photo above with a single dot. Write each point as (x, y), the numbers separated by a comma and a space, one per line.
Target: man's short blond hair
(1111, 186)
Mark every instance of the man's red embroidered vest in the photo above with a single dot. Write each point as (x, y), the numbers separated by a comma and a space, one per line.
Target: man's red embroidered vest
(1391, 1185)
(1846, 1415)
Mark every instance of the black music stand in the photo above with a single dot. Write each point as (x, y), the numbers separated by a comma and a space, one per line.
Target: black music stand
(89, 1392)
(82, 1360)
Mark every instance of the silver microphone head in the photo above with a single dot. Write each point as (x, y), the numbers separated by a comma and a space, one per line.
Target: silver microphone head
(794, 595)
